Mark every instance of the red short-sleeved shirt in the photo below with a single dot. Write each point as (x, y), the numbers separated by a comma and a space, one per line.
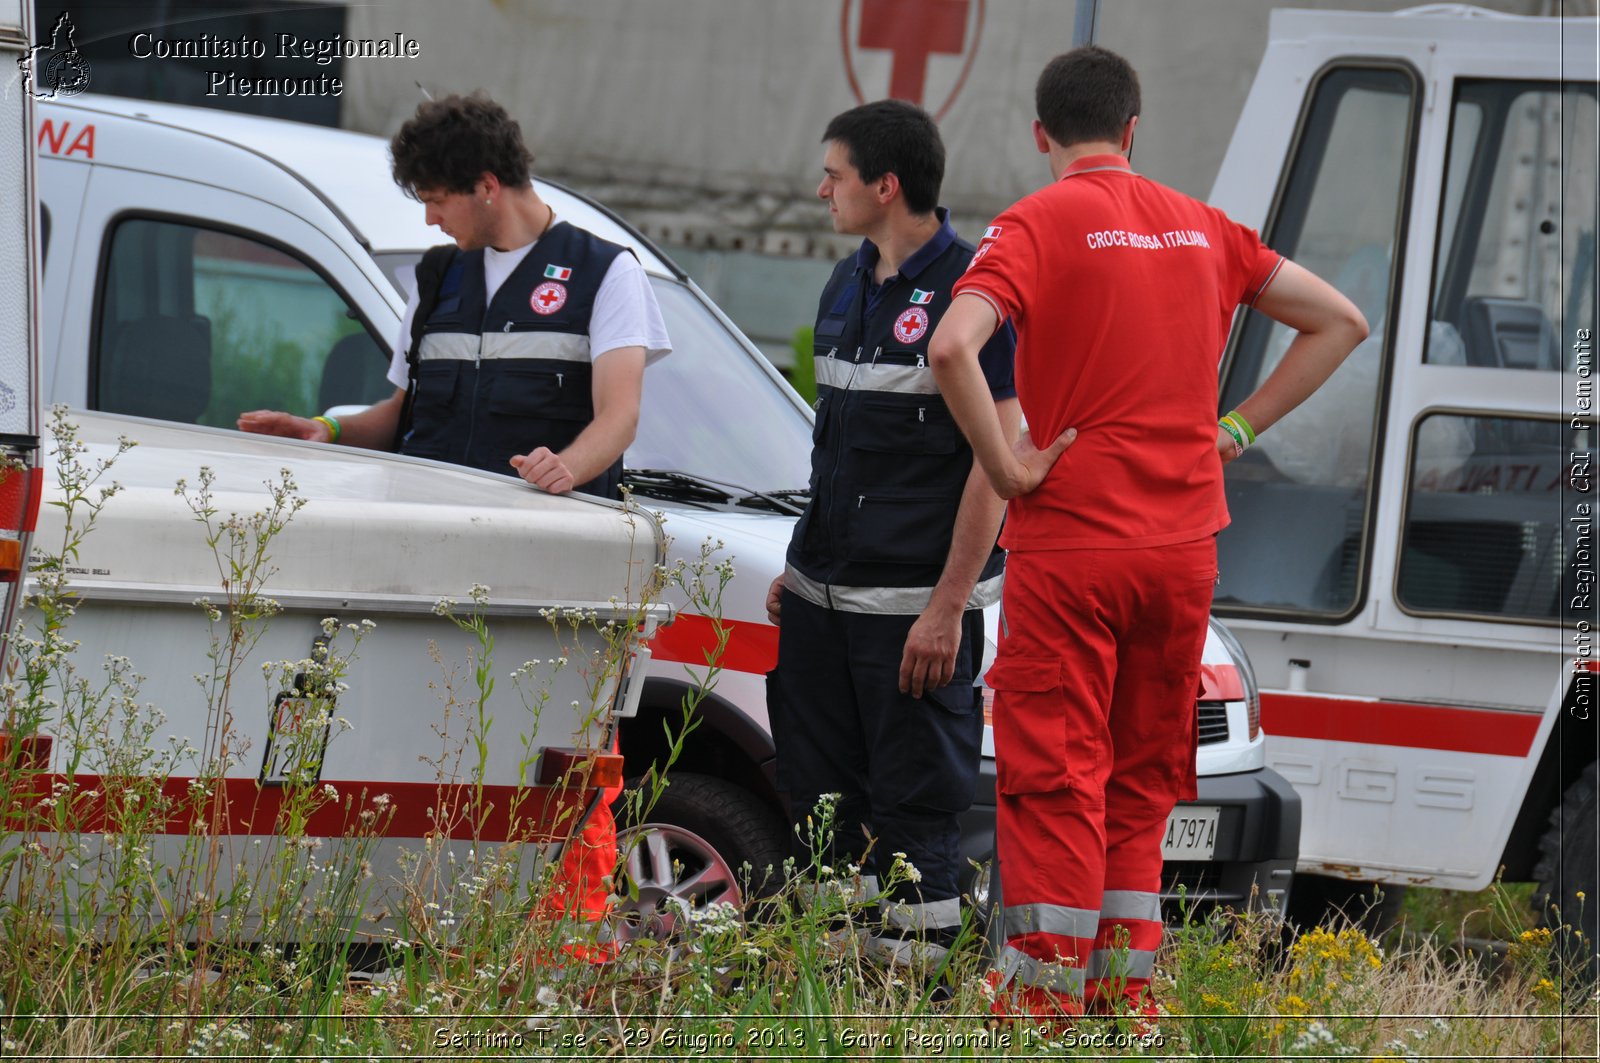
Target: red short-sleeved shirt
(1123, 292)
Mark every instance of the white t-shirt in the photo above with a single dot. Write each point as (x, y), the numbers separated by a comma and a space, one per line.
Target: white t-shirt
(625, 311)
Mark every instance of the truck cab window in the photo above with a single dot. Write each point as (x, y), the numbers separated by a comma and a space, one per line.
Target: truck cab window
(1301, 498)
(198, 325)
(1483, 518)
(1516, 257)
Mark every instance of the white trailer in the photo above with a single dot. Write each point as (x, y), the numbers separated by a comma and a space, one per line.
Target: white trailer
(19, 320)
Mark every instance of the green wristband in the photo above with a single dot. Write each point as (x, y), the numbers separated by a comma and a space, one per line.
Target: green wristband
(1238, 439)
(1243, 426)
(334, 431)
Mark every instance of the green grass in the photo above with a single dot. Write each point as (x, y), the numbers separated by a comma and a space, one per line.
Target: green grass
(1499, 913)
(106, 952)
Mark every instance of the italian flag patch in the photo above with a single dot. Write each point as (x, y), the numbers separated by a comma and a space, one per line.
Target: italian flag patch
(992, 233)
(920, 297)
(558, 273)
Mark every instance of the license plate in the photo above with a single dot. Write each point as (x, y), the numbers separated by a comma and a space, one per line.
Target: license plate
(1191, 833)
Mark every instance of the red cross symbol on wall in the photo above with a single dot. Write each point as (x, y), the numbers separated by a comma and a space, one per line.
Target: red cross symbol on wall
(913, 31)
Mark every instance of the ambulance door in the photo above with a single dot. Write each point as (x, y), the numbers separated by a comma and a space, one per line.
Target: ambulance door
(1492, 463)
(1296, 563)
(205, 303)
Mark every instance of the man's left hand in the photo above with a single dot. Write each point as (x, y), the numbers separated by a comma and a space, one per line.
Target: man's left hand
(544, 468)
(929, 661)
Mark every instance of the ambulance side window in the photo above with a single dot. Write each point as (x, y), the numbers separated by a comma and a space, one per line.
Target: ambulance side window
(199, 325)
(1483, 524)
(1301, 498)
(1515, 267)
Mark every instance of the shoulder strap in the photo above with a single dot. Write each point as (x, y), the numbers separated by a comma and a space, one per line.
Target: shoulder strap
(430, 277)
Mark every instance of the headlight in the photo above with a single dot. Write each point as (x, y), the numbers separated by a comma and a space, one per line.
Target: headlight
(1247, 676)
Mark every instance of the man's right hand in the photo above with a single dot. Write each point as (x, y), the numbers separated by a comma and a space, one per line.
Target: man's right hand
(775, 599)
(278, 423)
(1034, 464)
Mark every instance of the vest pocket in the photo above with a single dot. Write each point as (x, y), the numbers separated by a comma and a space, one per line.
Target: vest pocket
(432, 422)
(898, 528)
(531, 392)
(924, 427)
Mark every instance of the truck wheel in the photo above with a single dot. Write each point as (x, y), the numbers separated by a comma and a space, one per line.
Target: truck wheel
(1566, 868)
(692, 849)
(1321, 900)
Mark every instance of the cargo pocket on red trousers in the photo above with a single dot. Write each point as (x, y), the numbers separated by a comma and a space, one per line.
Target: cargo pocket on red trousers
(1030, 725)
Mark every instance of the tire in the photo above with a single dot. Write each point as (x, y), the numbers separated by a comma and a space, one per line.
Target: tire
(1567, 867)
(1321, 900)
(732, 821)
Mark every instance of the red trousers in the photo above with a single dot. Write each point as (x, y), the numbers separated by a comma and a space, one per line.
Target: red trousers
(1095, 728)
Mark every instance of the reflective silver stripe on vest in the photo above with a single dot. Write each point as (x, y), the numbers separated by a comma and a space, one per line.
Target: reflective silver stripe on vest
(905, 952)
(554, 346)
(466, 346)
(929, 915)
(1130, 904)
(1015, 964)
(448, 347)
(1049, 919)
(1122, 963)
(904, 601)
(867, 376)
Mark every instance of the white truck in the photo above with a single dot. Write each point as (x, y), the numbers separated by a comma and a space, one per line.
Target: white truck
(200, 263)
(1411, 562)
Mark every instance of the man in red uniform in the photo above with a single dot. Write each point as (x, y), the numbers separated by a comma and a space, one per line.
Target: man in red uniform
(1123, 292)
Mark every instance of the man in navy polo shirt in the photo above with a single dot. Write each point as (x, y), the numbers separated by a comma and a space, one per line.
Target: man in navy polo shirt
(894, 558)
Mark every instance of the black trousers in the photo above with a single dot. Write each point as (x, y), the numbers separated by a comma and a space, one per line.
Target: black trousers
(905, 768)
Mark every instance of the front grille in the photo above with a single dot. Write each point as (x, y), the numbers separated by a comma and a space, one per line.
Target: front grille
(1199, 879)
(1213, 722)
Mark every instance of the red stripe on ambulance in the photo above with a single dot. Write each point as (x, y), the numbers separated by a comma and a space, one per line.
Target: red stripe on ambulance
(1399, 723)
(691, 639)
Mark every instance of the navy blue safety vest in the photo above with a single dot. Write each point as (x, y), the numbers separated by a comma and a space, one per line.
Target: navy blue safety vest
(888, 463)
(500, 378)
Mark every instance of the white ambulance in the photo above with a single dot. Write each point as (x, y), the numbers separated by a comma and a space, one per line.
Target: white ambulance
(200, 263)
(1411, 564)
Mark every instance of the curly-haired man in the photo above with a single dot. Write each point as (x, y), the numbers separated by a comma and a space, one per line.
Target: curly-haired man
(531, 355)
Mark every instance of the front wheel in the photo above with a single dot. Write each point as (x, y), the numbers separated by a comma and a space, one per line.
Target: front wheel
(705, 842)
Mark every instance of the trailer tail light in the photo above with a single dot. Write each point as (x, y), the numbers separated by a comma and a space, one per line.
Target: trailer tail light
(581, 768)
(20, 488)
